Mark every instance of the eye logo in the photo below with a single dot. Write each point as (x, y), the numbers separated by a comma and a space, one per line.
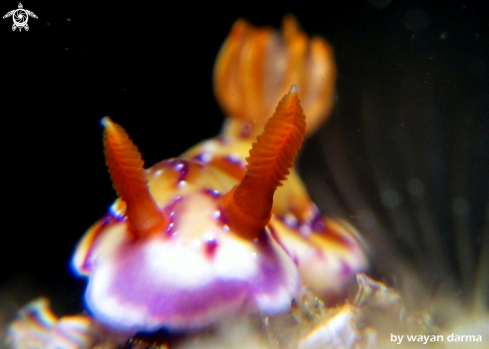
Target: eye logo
(20, 17)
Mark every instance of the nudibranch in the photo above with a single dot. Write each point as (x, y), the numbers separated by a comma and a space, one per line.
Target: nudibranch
(184, 247)
(213, 233)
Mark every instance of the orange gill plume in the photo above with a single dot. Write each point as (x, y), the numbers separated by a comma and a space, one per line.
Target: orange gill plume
(256, 66)
(248, 205)
(129, 180)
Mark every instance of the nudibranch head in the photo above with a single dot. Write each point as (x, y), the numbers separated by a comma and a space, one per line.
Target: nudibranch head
(187, 245)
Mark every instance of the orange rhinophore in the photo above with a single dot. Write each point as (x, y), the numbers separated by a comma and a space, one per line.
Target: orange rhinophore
(129, 180)
(256, 66)
(249, 204)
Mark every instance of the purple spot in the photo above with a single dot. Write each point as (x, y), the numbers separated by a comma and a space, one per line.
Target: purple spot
(181, 166)
(222, 219)
(110, 218)
(170, 213)
(212, 192)
(86, 265)
(295, 259)
(211, 247)
(319, 254)
(170, 228)
(289, 221)
(317, 223)
(346, 269)
(202, 157)
(245, 130)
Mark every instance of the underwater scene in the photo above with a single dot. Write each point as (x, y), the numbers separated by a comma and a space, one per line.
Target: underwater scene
(298, 175)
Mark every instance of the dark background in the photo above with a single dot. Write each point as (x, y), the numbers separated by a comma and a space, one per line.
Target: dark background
(412, 102)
